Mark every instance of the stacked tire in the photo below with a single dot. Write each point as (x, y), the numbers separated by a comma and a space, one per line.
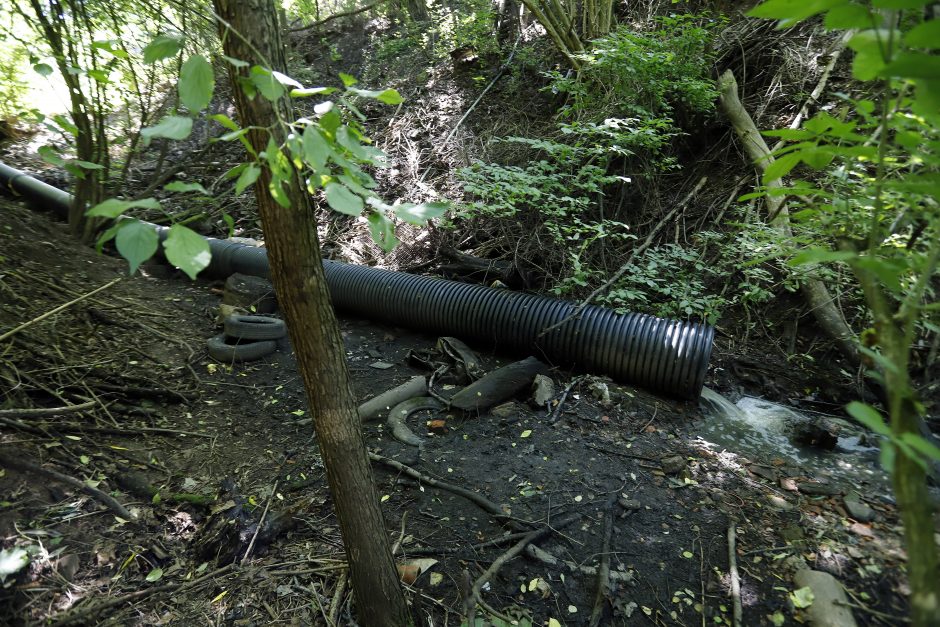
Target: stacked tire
(246, 338)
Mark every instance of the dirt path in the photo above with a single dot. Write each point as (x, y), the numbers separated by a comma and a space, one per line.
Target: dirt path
(627, 479)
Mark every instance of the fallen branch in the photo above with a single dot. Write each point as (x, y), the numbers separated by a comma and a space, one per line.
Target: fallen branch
(80, 615)
(473, 598)
(556, 413)
(735, 578)
(52, 312)
(264, 514)
(821, 303)
(42, 412)
(336, 16)
(603, 571)
(98, 495)
(484, 503)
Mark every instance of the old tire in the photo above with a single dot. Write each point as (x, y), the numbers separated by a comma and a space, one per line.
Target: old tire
(242, 327)
(238, 350)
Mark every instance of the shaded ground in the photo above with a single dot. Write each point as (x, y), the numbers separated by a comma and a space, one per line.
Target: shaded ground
(239, 437)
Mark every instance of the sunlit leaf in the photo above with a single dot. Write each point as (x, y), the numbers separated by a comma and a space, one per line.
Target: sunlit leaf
(820, 255)
(341, 199)
(155, 575)
(113, 207)
(197, 82)
(137, 242)
(248, 176)
(187, 250)
(171, 127)
(162, 47)
(802, 597)
(383, 231)
(868, 416)
(12, 561)
(181, 186)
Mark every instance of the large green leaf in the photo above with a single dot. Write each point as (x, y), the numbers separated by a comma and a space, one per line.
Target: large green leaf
(913, 65)
(248, 176)
(137, 242)
(267, 84)
(868, 416)
(792, 11)
(821, 255)
(162, 47)
(197, 82)
(113, 207)
(341, 199)
(171, 127)
(383, 231)
(311, 91)
(848, 16)
(181, 186)
(388, 96)
(316, 149)
(187, 250)
(924, 35)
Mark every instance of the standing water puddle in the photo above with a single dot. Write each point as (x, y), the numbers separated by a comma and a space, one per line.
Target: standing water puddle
(760, 431)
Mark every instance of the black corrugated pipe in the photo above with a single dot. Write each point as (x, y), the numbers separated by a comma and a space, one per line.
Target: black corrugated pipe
(664, 355)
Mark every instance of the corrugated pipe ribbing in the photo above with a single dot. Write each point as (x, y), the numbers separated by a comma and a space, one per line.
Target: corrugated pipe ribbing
(664, 355)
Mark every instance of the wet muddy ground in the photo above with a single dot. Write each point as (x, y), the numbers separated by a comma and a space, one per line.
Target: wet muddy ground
(627, 480)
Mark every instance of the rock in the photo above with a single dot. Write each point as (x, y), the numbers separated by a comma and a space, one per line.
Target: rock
(512, 409)
(816, 488)
(829, 597)
(767, 472)
(779, 503)
(858, 510)
(438, 427)
(673, 464)
(600, 391)
(543, 390)
(792, 534)
(246, 291)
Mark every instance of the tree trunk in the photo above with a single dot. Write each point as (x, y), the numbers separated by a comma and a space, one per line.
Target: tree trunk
(297, 274)
(821, 303)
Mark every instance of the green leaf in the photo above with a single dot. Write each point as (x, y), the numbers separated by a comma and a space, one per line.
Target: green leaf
(383, 231)
(235, 62)
(100, 76)
(111, 46)
(888, 271)
(237, 134)
(820, 255)
(12, 561)
(341, 199)
(187, 250)
(171, 127)
(924, 35)
(348, 81)
(50, 156)
(66, 124)
(276, 187)
(113, 207)
(921, 445)
(913, 65)
(162, 47)
(311, 91)
(225, 121)
(868, 416)
(869, 59)
(816, 158)
(388, 96)
(180, 186)
(248, 177)
(196, 84)
(900, 4)
(330, 121)
(266, 83)
(316, 149)
(155, 575)
(345, 139)
(887, 456)
(107, 236)
(137, 242)
(848, 16)
(419, 214)
(286, 80)
(781, 167)
(802, 598)
(233, 172)
(43, 69)
(792, 11)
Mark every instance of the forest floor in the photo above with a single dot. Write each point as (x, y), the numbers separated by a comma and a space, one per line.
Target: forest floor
(628, 480)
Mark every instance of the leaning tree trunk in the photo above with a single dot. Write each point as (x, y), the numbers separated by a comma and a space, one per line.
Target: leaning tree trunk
(297, 274)
(821, 303)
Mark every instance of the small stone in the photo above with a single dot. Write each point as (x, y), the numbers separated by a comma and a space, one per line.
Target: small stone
(673, 464)
(764, 471)
(543, 390)
(381, 365)
(507, 410)
(858, 510)
(816, 488)
(600, 391)
(779, 503)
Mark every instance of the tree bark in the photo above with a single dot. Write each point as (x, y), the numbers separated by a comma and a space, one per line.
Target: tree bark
(297, 274)
(821, 303)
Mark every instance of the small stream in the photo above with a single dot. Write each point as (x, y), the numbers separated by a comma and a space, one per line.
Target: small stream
(760, 431)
